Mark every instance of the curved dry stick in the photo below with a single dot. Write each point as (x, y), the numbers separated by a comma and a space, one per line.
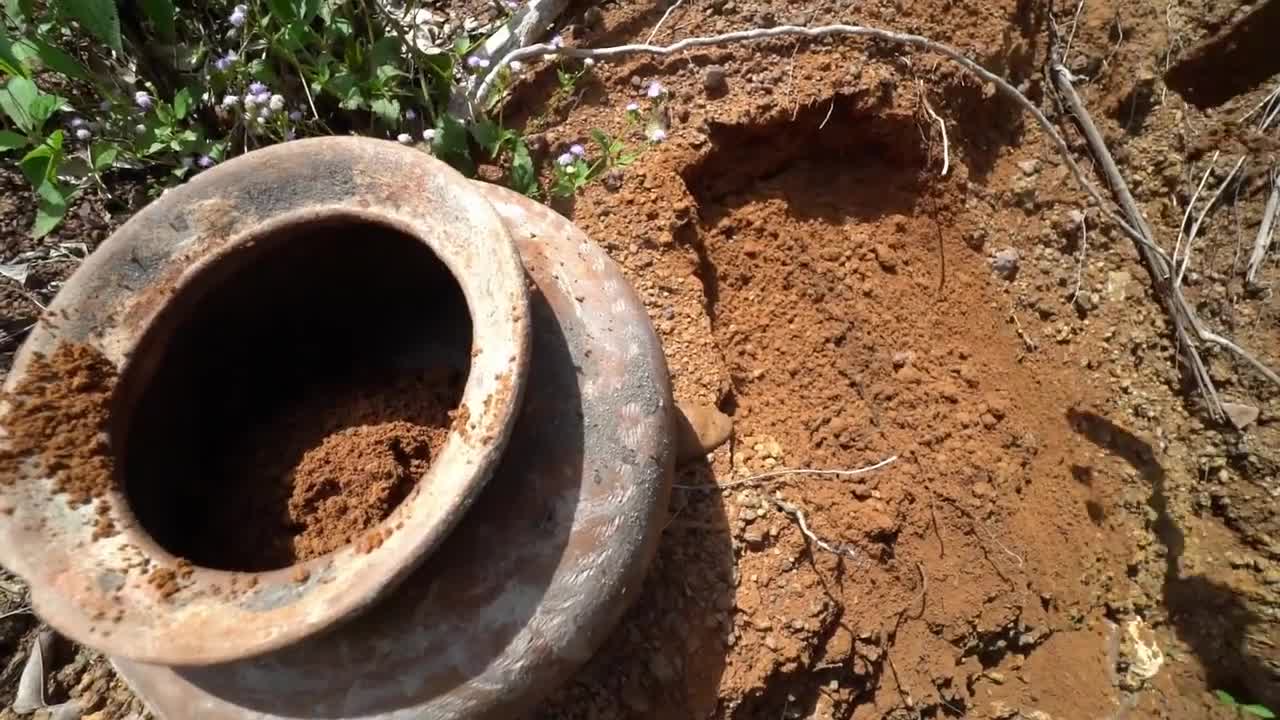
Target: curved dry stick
(909, 40)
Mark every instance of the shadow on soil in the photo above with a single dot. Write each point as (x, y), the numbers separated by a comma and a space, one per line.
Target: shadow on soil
(665, 659)
(1209, 617)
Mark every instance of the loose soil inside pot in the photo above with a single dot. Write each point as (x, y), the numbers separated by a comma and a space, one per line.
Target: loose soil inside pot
(290, 398)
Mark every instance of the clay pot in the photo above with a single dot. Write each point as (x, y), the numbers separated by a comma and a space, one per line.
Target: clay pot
(213, 289)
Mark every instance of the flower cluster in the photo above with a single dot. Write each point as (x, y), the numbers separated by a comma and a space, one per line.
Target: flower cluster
(238, 15)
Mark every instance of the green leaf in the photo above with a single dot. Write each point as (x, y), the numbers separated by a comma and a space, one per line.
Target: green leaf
(16, 98)
(386, 51)
(1225, 697)
(307, 10)
(388, 110)
(181, 103)
(40, 166)
(161, 13)
(282, 10)
(9, 62)
(1258, 711)
(10, 140)
(104, 155)
(450, 145)
(98, 18)
(524, 178)
(49, 212)
(488, 135)
(50, 57)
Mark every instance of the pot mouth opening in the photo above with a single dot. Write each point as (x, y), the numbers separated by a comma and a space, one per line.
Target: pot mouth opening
(291, 394)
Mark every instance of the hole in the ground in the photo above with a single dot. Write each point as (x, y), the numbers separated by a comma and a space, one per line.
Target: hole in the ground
(300, 388)
(1232, 63)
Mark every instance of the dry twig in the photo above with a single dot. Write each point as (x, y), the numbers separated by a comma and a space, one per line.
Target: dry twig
(663, 19)
(848, 551)
(946, 148)
(1187, 325)
(1266, 230)
(786, 474)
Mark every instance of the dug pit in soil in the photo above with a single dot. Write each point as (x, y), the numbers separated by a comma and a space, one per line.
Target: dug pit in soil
(300, 391)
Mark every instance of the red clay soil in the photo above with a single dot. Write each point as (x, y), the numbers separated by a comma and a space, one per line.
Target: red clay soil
(321, 473)
(1066, 533)
(58, 416)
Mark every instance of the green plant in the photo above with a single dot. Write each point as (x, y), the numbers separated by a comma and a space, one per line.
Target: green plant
(1251, 709)
(149, 85)
(573, 171)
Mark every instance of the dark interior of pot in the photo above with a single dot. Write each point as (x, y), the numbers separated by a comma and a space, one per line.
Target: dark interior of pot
(292, 394)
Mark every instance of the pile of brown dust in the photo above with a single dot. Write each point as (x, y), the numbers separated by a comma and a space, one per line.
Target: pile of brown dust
(326, 470)
(58, 416)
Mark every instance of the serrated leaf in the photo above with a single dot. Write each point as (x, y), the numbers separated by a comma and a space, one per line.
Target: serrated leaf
(10, 140)
(181, 103)
(524, 177)
(98, 17)
(450, 145)
(162, 14)
(488, 135)
(104, 156)
(50, 57)
(388, 110)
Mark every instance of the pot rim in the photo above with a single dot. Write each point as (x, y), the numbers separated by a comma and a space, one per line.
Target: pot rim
(97, 591)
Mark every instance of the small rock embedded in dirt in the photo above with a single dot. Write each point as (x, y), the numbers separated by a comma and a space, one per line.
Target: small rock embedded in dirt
(1005, 263)
(1029, 167)
(613, 180)
(885, 256)
(714, 80)
(702, 428)
(1240, 414)
(1118, 285)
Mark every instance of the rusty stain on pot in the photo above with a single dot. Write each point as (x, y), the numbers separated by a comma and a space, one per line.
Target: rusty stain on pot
(121, 295)
(528, 586)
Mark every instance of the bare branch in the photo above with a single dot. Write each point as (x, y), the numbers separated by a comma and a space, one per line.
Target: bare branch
(751, 35)
(663, 19)
(842, 550)
(783, 475)
(1265, 231)
(946, 151)
(1195, 227)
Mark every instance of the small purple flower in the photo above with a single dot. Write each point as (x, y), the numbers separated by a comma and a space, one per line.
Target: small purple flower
(295, 116)
(75, 122)
(276, 103)
(263, 98)
(206, 162)
(230, 101)
(557, 42)
(578, 150)
(655, 89)
(657, 135)
(565, 160)
(475, 62)
(257, 88)
(404, 139)
(633, 107)
(83, 133)
(410, 114)
(291, 134)
(225, 62)
(142, 99)
(250, 101)
(238, 15)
